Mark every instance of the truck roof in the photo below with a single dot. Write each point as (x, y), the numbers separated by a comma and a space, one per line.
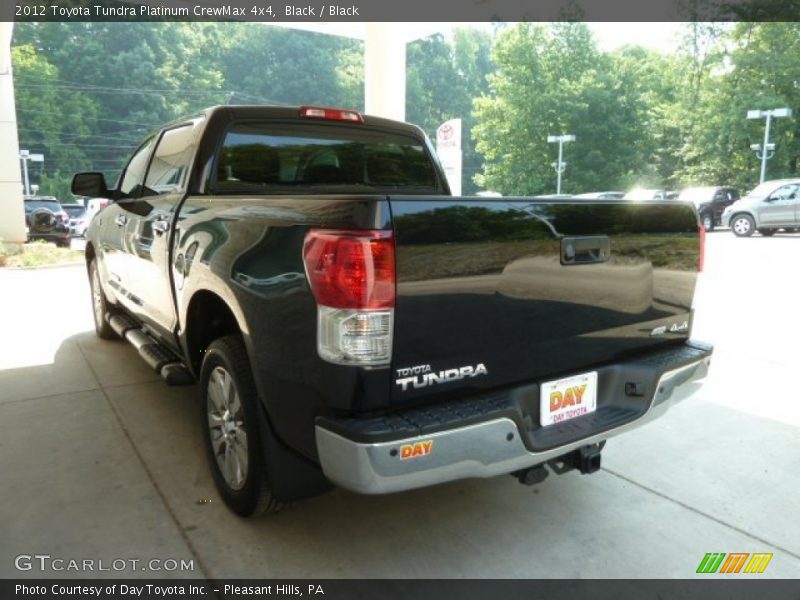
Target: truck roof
(230, 112)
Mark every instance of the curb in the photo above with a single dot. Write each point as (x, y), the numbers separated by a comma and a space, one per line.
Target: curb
(43, 267)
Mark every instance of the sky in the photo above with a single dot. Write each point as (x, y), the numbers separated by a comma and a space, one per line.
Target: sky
(662, 37)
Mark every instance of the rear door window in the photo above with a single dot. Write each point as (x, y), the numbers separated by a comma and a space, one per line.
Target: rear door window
(786, 192)
(273, 158)
(133, 178)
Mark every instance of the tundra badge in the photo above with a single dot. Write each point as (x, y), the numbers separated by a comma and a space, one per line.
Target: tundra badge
(422, 376)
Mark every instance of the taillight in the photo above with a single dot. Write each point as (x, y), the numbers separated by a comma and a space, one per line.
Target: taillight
(701, 231)
(332, 114)
(352, 277)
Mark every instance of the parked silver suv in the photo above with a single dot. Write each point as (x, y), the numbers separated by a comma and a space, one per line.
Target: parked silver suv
(771, 206)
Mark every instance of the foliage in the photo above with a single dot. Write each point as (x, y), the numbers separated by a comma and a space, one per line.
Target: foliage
(442, 79)
(40, 253)
(552, 80)
(730, 71)
(87, 93)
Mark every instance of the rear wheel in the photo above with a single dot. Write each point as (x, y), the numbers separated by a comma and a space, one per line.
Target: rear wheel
(100, 308)
(708, 222)
(231, 429)
(767, 232)
(743, 225)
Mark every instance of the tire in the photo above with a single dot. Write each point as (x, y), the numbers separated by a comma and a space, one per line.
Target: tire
(743, 225)
(767, 232)
(229, 407)
(100, 305)
(42, 220)
(708, 222)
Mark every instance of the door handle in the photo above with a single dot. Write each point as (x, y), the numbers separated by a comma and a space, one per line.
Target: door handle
(160, 226)
(585, 250)
(120, 220)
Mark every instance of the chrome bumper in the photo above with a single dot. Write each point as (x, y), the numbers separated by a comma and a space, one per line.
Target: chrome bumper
(486, 449)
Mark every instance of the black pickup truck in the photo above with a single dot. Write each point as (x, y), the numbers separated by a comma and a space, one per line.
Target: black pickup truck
(350, 322)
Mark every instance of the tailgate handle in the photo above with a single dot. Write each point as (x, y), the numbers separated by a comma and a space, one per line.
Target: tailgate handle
(585, 250)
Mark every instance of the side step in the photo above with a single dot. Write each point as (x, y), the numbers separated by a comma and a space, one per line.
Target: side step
(160, 359)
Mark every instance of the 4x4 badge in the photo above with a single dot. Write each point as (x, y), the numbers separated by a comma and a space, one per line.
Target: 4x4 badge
(674, 328)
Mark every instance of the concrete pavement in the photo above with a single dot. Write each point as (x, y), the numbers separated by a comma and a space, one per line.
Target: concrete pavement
(99, 459)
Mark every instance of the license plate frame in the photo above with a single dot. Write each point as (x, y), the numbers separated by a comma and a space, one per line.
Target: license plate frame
(568, 398)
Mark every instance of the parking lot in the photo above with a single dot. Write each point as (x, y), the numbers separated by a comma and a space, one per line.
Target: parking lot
(100, 459)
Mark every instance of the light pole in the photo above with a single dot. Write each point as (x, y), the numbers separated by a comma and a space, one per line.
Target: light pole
(763, 154)
(560, 165)
(767, 149)
(25, 156)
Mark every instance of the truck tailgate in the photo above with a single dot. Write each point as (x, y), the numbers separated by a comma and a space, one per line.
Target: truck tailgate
(502, 291)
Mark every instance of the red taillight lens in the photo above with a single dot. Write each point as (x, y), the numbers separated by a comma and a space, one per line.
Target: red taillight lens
(333, 114)
(351, 269)
(701, 260)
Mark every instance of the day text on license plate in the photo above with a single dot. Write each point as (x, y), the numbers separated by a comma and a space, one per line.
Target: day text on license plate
(568, 398)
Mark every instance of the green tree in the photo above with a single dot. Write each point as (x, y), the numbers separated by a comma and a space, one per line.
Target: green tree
(728, 70)
(443, 78)
(646, 85)
(51, 122)
(271, 65)
(551, 79)
(136, 76)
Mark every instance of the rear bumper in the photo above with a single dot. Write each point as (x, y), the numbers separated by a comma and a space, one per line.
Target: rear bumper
(497, 445)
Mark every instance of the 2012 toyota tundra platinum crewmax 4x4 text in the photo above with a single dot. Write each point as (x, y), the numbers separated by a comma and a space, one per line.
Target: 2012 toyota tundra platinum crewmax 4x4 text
(350, 322)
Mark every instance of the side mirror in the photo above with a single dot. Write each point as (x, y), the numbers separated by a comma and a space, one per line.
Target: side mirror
(89, 184)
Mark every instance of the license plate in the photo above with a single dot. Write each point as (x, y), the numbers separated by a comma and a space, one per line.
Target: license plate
(568, 398)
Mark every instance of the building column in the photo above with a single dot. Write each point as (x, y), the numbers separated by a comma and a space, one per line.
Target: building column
(384, 71)
(12, 209)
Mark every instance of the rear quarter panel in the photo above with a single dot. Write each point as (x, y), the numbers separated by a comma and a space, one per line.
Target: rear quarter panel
(248, 251)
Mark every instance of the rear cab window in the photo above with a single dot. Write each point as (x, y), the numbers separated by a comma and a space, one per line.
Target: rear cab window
(276, 158)
(130, 185)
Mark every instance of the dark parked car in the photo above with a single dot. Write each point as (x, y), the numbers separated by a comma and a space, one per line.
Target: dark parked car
(602, 195)
(710, 202)
(46, 220)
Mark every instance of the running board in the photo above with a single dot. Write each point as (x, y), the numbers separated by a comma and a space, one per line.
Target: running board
(160, 359)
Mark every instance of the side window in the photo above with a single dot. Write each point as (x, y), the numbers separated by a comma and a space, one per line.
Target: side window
(171, 162)
(786, 192)
(133, 178)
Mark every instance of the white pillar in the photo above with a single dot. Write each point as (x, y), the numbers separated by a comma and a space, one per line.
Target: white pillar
(12, 209)
(384, 71)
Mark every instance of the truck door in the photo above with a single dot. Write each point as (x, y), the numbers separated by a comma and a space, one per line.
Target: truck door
(150, 228)
(112, 223)
(779, 208)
